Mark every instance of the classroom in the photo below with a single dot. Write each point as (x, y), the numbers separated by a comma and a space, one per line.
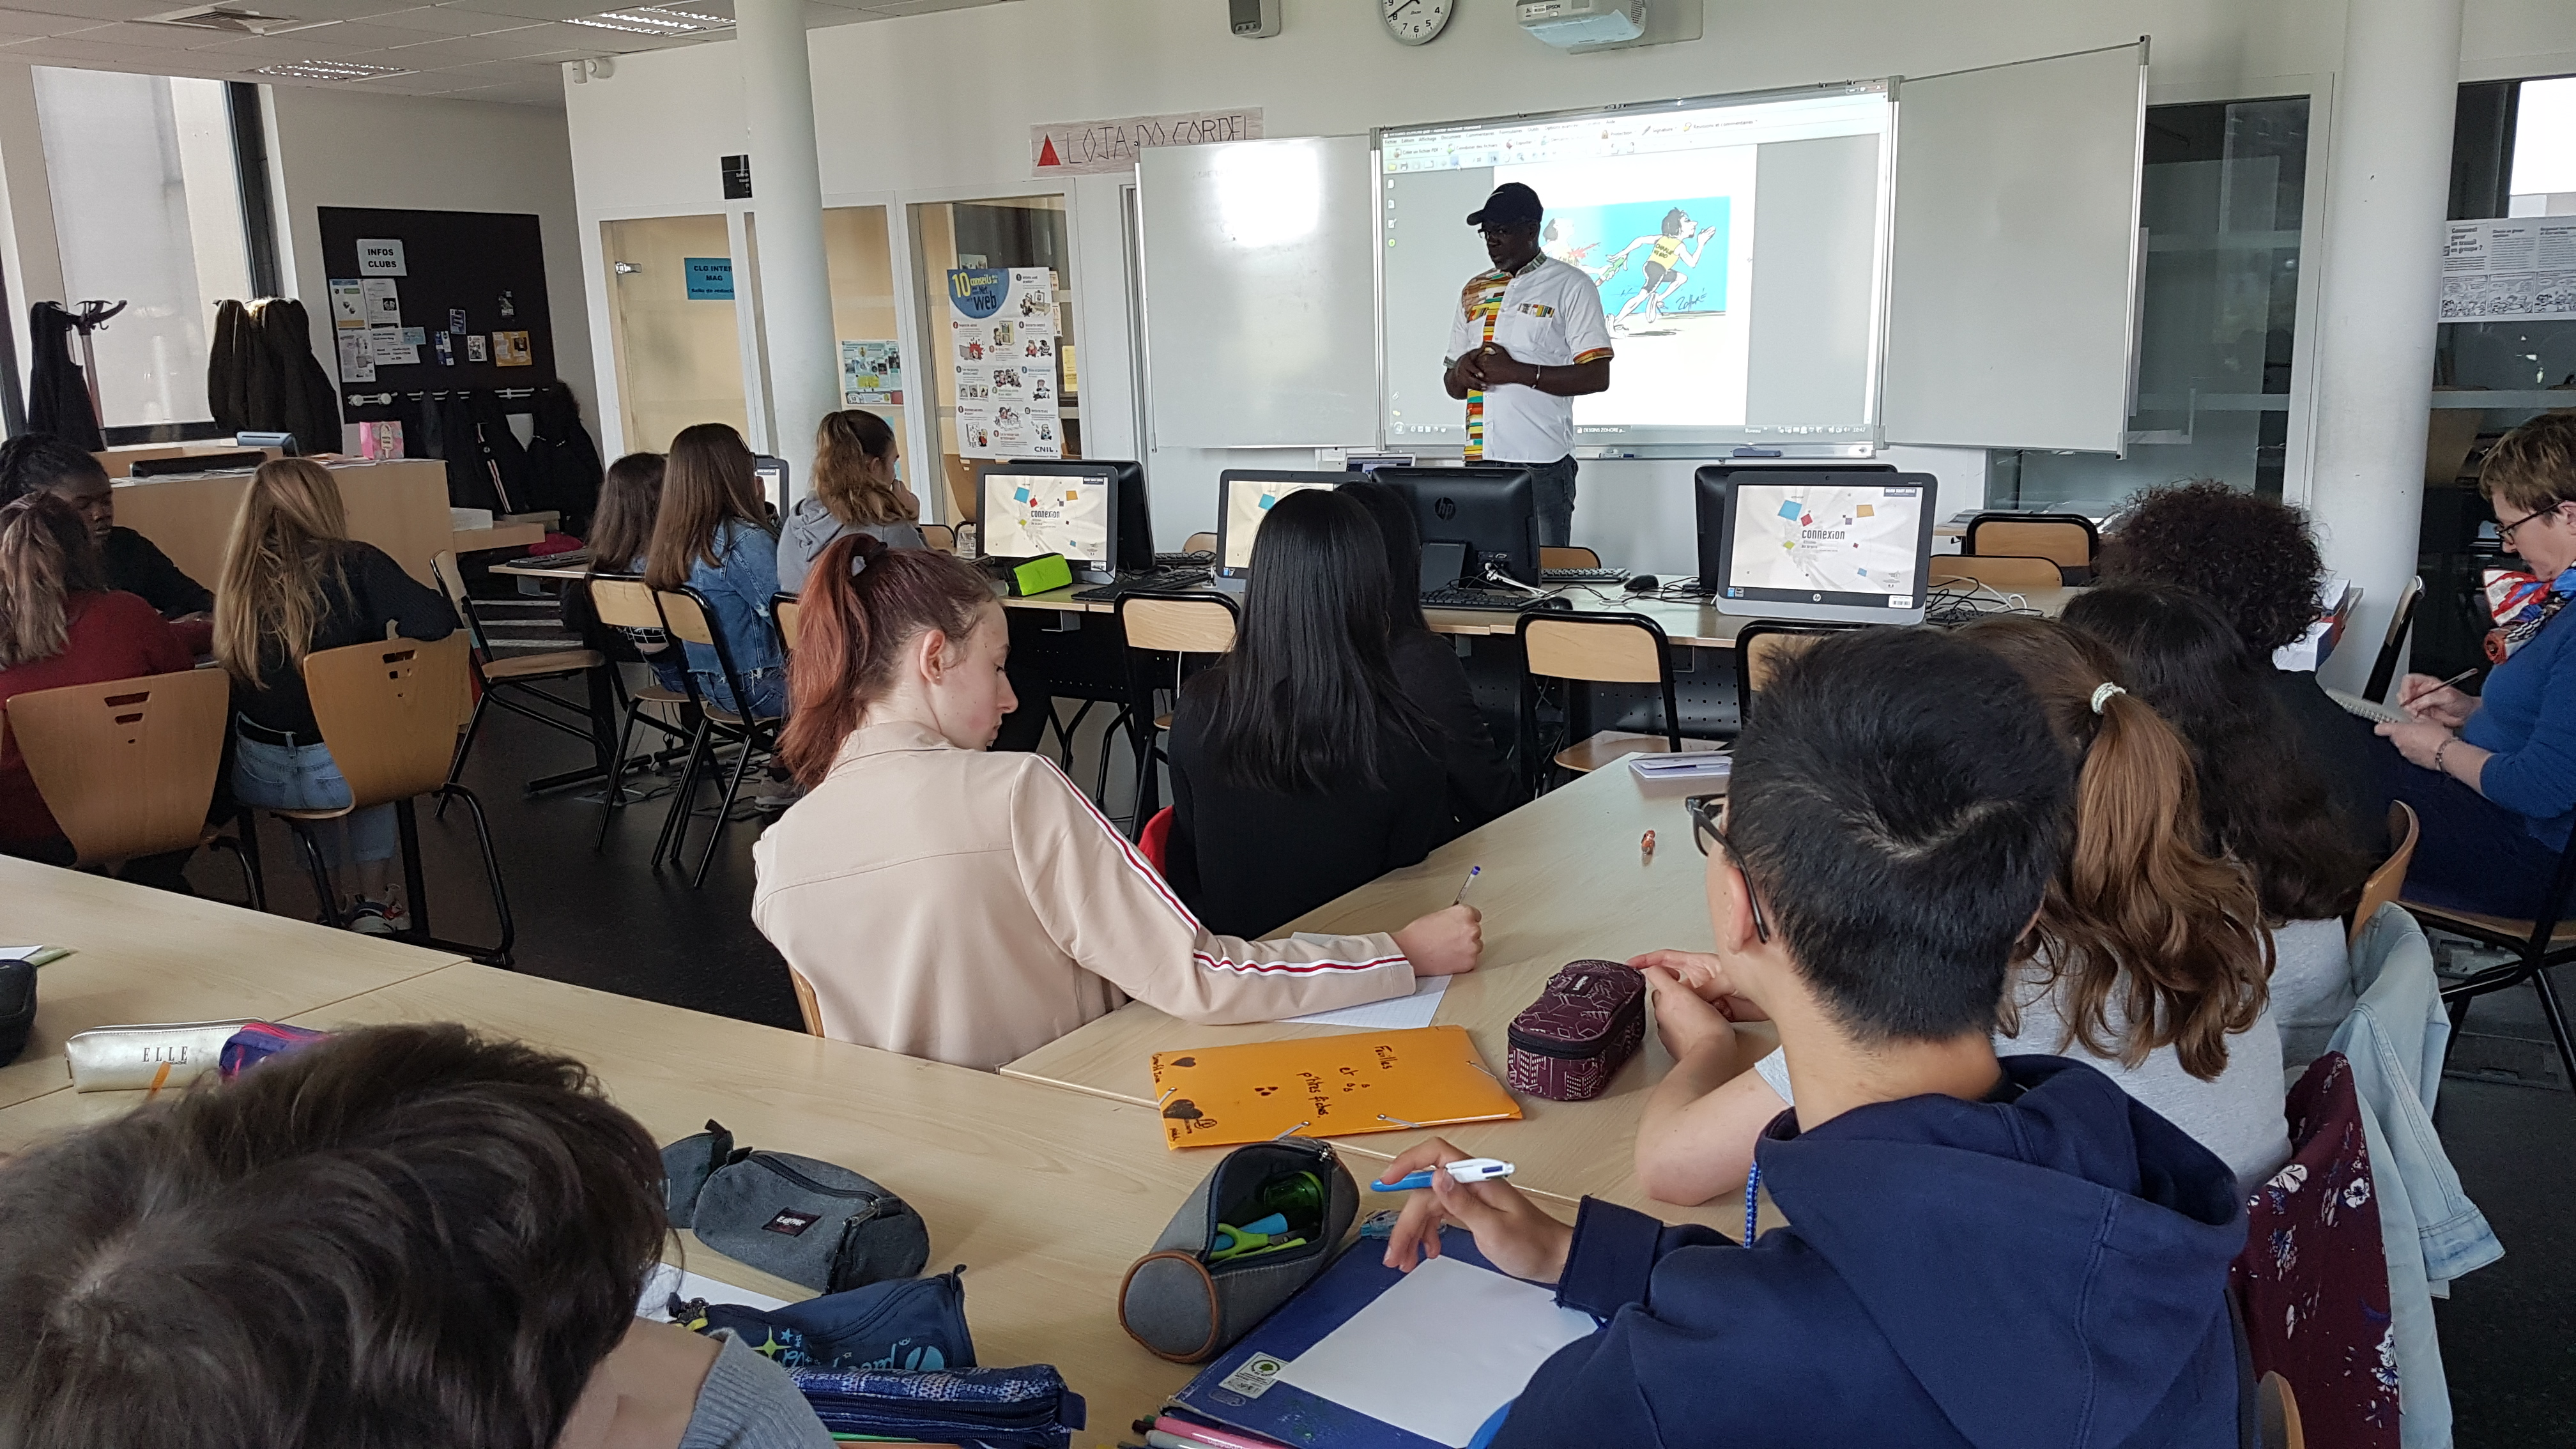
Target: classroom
(1280, 724)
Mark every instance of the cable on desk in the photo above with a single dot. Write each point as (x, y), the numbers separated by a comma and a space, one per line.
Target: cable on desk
(1945, 604)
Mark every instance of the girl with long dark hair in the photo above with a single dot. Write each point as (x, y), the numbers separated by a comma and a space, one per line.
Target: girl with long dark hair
(1300, 769)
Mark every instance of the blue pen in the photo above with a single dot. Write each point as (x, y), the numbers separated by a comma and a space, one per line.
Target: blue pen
(1473, 871)
(1473, 1169)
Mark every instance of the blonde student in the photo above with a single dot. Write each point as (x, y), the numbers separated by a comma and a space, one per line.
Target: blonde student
(2147, 958)
(970, 906)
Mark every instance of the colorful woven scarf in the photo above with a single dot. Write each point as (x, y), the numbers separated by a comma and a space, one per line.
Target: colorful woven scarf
(2520, 604)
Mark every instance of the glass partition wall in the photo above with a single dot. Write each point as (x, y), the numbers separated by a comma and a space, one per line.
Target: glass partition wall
(1016, 231)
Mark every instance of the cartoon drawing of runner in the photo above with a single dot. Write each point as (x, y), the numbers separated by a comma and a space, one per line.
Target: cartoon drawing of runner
(1667, 258)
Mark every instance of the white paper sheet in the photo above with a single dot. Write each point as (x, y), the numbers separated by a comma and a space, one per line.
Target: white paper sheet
(1396, 1013)
(667, 1280)
(1403, 1360)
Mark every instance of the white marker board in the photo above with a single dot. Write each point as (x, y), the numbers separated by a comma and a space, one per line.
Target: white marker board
(1260, 295)
(2011, 298)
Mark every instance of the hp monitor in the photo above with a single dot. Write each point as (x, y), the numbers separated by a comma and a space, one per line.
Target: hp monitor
(1028, 509)
(1709, 493)
(1492, 509)
(1847, 547)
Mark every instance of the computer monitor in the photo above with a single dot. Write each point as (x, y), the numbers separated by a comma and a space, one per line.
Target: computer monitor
(1135, 537)
(1491, 508)
(1843, 547)
(1028, 509)
(1243, 499)
(1709, 493)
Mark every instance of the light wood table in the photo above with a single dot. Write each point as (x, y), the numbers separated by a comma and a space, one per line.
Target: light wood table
(399, 505)
(141, 955)
(1046, 1196)
(1691, 625)
(1562, 881)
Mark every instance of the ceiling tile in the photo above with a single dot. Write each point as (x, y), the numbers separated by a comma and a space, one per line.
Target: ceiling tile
(441, 20)
(63, 48)
(96, 11)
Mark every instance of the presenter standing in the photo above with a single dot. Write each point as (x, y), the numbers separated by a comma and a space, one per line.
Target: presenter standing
(1527, 340)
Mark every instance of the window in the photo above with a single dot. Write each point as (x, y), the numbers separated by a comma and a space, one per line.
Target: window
(147, 211)
(2222, 202)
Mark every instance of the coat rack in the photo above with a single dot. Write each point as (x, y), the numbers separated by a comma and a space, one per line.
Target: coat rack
(90, 317)
(386, 399)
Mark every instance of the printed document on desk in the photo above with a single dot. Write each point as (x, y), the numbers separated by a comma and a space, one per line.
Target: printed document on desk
(1396, 1013)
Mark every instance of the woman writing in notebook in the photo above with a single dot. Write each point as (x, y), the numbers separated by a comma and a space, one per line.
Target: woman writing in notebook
(2492, 775)
(947, 902)
(2147, 958)
(1300, 768)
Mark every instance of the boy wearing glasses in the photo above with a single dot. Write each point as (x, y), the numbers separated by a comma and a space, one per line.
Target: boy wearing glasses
(1982, 1252)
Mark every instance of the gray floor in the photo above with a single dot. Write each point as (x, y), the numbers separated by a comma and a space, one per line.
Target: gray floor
(607, 920)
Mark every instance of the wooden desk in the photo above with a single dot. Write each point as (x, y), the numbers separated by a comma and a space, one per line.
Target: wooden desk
(141, 955)
(1047, 1196)
(1690, 625)
(1562, 881)
(399, 505)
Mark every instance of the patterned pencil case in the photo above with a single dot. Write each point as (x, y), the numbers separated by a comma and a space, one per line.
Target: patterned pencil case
(1026, 1408)
(1578, 1034)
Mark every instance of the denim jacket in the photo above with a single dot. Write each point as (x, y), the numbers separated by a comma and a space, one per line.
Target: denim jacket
(737, 589)
(2395, 1040)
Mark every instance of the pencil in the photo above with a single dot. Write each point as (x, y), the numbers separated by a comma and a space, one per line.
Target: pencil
(1468, 884)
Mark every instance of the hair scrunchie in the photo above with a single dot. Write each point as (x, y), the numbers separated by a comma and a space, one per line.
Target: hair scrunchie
(2102, 694)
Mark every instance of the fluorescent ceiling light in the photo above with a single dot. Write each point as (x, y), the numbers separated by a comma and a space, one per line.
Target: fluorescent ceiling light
(652, 20)
(329, 70)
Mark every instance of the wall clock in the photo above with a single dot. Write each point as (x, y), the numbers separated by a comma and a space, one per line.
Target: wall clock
(1416, 22)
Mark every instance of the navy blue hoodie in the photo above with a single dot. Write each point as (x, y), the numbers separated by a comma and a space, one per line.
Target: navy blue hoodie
(2049, 1270)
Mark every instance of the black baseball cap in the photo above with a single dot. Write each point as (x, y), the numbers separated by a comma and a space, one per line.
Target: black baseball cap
(1511, 202)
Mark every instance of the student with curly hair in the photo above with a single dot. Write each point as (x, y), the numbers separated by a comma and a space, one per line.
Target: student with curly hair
(2256, 560)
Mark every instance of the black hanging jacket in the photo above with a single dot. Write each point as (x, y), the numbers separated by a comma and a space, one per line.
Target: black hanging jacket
(57, 390)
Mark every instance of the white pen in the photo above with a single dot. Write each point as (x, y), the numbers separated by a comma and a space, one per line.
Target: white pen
(1473, 1169)
(1464, 886)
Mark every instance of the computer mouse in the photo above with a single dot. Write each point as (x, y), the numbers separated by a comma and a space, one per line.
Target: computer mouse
(1643, 583)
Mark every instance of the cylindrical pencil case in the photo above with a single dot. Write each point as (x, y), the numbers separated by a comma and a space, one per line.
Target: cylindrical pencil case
(1259, 1227)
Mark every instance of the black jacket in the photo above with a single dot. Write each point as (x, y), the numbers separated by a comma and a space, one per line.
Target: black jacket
(1249, 861)
(57, 390)
(1482, 783)
(138, 566)
(2340, 748)
(369, 591)
(261, 375)
(563, 463)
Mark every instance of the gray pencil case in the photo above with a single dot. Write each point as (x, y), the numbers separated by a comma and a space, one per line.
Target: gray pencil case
(1200, 1290)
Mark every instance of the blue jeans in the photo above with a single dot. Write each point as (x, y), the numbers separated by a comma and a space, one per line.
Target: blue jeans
(1553, 485)
(304, 777)
(2475, 855)
(768, 691)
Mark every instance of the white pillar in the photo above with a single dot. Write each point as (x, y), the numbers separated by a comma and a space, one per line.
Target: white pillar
(2387, 193)
(787, 233)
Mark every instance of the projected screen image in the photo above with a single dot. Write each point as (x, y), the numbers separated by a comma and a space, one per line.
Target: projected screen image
(1850, 544)
(1028, 514)
(1247, 502)
(1738, 245)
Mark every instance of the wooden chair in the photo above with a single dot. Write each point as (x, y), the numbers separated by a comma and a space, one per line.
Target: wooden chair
(2068, 540)
(807, 1009)
(2538, 944)
(2276, 1412)
(1200, 543)
(2004, 573)
(2383, 670)
(1602, 648)
(511, 680)
(1762, 646)
(1157, 626)
(1570, 556)
(940, 537)
(624, 603)
(784, 611)
(2389, 881)
(128, 766)
(688, 619)
(390, 712)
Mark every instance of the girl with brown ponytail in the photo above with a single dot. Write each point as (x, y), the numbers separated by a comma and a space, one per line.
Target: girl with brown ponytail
(945, 901)
(2147, 959)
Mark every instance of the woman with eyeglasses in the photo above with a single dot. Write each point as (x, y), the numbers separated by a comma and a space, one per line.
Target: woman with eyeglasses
(2492, 775)
(2147, 960)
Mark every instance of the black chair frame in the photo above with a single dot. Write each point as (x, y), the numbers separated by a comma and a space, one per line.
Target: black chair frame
(1138, 713)
(2383, 670)
(584, 724)
(2536, 954)
(755, 736)
(2073, 575)
(1540, 761)
(1744, 653)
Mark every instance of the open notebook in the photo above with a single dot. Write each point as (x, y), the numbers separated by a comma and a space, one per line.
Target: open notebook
(2369, 709)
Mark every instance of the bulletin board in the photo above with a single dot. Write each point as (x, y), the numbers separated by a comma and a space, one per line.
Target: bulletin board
(476, 277)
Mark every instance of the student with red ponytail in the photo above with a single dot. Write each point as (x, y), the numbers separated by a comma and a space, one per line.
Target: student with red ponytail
(970, 906)
(2147, 959)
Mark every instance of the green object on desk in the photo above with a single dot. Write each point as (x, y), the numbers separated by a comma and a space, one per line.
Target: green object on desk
(35, 955)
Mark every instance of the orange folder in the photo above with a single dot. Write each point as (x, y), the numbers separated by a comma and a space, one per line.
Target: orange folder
(1326, 1086)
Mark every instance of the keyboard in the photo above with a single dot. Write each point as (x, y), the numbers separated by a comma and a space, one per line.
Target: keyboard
(1160, 581)
(1497, 601)
(1583, 576)
(1201, 559)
